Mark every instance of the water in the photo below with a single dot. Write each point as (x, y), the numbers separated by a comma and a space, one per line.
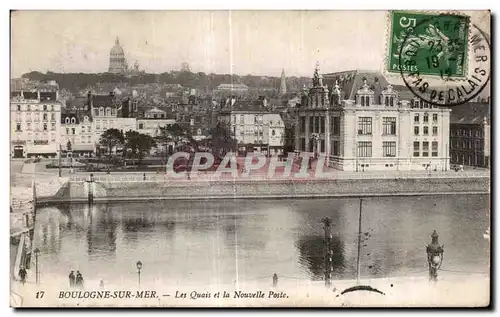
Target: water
(237, 241)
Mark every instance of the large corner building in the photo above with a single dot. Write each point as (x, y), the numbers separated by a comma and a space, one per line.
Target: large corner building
(362, 123)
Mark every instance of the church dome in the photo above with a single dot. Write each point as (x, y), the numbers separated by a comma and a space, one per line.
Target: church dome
(117, 49)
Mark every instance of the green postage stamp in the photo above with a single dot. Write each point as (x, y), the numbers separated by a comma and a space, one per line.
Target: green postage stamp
(430, 43)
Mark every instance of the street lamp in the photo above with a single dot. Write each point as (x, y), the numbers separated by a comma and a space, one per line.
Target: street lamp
(434, 256)
(37, 252)
(139, 267)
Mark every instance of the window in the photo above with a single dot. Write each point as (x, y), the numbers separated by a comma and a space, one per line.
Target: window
(18, 127)
(53, 117)
(73, 131)
(434, 130)
(434, 118)
(45, 127)
(73, 120)
(426, 117)
(316, 124)
(18, 107)
(426, 130)
(389, 101)
(416, 130)
(389, 148)
(365, 101)
(44, 107)
(365, 149)
(336, 125)
(98, 125)
(434, 148)
(365, 125)
(101, 111)
(28, 116)
(322, 124)
(389, 125)
(66, 120)
(273, 133)
(89, 129)
(302, 124)
(416, 118)
(255, 119)
(336, 148)
(53, 126)
(311, 124)
(425, 104)
(416, 104)
(425, 148)
(67, 130)
(141, 125)
(108, 112)
(28, 126)
(416, 148)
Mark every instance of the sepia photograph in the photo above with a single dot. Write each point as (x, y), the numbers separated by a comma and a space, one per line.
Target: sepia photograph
(250, 158)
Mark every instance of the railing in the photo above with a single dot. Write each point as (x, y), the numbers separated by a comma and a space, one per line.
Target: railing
(139, 177)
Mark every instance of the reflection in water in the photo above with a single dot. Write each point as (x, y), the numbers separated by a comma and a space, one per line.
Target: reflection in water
(312, 249)
(212, 242)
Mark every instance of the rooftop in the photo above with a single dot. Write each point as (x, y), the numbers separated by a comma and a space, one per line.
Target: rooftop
(471, 113)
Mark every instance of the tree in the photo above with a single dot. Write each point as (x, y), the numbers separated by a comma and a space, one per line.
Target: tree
(222, 139)
(111, 138)
(132, 142)
(172, 133)
(146, 142)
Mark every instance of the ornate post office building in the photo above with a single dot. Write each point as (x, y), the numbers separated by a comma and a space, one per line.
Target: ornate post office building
(362, 124)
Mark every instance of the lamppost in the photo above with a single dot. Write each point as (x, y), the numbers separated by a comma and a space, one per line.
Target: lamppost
(434, 256)
(139, 267)
(37, 252)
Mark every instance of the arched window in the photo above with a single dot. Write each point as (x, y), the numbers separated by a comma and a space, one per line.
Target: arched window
(362, 101)
(367, 101)
(391, 101)
(101, 111)
(108, 112)
(386, 101)
(66, 120)
(73, 120)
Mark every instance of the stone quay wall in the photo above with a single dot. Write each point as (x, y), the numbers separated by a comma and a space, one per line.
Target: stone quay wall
(77, 191)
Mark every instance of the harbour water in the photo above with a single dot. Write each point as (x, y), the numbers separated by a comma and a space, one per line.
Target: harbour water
(237, 241)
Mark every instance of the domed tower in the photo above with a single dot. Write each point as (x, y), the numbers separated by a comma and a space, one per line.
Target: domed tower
(117, 62)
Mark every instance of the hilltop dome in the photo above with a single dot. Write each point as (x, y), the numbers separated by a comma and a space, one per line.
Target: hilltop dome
(117, 49)
(117, 62)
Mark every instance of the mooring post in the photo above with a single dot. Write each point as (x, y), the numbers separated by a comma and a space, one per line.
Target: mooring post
(275, 280)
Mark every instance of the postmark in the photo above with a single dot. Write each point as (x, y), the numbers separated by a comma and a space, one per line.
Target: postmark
(443, 59)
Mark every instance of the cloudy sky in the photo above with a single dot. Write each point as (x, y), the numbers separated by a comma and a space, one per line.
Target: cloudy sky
(240, 42)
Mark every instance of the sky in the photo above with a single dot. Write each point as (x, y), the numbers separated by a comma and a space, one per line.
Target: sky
(238, 42)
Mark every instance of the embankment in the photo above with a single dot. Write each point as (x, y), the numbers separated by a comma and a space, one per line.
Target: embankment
(77, 191)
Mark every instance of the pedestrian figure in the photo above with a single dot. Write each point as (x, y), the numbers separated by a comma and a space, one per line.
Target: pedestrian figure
(275, 280)
(72, 279)
(22, 274)
(79, 280)
(143, 176)
(101, 284)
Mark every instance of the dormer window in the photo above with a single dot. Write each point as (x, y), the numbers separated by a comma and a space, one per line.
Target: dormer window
(416, 103)
(108, 112)
(101, 111)
(86, 118)
(66, 120)
(365, 95)
(389, 96)
(73, 120)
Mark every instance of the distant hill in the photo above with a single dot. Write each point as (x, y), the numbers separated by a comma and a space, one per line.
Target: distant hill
(204, 82)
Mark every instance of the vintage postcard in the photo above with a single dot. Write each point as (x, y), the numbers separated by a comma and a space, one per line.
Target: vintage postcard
(250, 158)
